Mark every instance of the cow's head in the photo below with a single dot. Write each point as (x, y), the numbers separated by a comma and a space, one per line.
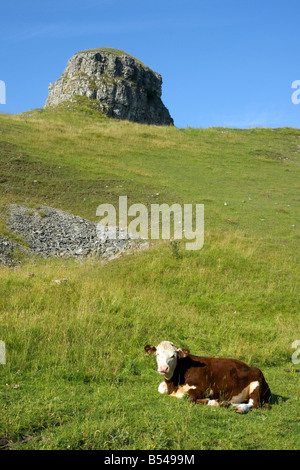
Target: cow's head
(166, 356)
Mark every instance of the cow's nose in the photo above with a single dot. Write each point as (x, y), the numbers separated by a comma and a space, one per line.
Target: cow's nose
(163, 369)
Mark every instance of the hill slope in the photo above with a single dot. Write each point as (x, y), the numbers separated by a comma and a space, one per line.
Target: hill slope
(75, 348)
(75, 160)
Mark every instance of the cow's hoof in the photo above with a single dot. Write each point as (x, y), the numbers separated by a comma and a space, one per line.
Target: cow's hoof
(213, 403)
(242, 409)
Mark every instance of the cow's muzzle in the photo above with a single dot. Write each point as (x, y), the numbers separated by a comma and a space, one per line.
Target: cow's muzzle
(163, 370)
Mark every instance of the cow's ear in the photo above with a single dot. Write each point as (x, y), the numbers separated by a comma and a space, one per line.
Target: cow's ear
(183, 352)
(150, 349)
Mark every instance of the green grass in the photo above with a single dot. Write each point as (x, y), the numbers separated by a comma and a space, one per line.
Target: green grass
(75, 349)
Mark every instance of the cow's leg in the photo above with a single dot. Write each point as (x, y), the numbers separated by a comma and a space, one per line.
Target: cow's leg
(205, 401)
(194, 397)
(163, 387)
(253, 402)
(213, 403)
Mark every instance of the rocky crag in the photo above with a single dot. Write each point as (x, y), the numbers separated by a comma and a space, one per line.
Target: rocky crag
(123, 86)
(50, 232)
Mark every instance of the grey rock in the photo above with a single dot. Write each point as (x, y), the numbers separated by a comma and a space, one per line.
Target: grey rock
(10, 252)
(53, 232)
(123, 87)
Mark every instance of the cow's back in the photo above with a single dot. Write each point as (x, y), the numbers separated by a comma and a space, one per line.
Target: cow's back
(222, 378)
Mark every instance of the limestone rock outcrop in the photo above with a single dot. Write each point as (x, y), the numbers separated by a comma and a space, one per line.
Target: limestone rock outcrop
(123, 87)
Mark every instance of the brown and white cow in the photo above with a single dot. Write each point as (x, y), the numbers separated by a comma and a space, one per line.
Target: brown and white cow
(209, 380)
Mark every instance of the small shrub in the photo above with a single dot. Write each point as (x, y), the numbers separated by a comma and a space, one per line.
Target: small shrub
(175, 249)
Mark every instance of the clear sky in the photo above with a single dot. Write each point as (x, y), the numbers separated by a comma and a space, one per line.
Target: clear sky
(224, 63)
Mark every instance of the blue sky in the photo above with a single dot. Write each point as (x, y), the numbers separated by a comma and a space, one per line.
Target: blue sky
(227, 63)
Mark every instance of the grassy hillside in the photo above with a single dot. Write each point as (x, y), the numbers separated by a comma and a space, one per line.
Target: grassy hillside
(75, 349)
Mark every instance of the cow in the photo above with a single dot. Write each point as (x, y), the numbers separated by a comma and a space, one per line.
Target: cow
(209, 380)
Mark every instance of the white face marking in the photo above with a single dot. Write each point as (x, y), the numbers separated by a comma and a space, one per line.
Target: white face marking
(166, 357)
